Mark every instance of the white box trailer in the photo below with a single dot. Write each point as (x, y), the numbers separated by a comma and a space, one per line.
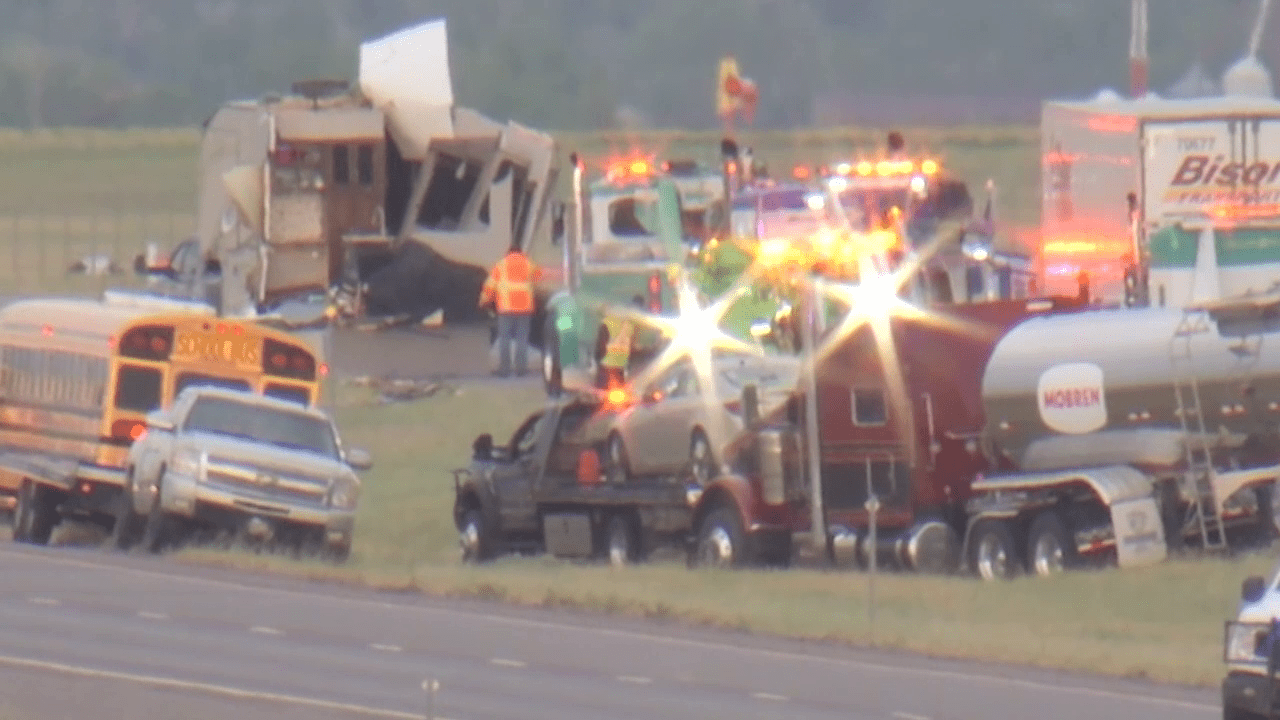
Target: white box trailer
(1191, 164)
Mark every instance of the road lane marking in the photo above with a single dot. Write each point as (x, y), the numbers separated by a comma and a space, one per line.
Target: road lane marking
(44, 601)
(223, 690)
(152, 615)
(909, 716)
(386, 648)
(635, 679)
(508, 663)
(264, 630)
(770, 697)
(44, 557)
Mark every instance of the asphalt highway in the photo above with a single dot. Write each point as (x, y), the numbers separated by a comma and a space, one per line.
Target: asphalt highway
(85, 632)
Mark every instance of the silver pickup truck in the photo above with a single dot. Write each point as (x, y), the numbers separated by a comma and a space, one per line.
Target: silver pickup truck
(256, 467)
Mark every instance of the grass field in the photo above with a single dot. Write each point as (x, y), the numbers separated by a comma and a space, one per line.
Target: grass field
(66, 194)
(1163, 623)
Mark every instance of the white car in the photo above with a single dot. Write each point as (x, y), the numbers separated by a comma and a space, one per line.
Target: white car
(680, 424)
(1249, 692)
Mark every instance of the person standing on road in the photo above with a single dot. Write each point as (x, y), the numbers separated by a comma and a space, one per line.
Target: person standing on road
(510, 289)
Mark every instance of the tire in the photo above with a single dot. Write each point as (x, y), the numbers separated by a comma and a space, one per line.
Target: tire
(993, 554)
(1050, 547)
(36, 514)
(618, 464)
(474, 538)
(128, 527)
(702, 459)
(159, 529)
(552, 372)
(622, 540)
(721, 540)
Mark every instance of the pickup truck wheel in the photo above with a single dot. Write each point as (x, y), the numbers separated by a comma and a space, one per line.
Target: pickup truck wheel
(993, 554)
(619, 465)
(1050, 548)
(158, 532)
(474, 538)
(128, 526)
(720, 539)
(622, 541)
(36, 514)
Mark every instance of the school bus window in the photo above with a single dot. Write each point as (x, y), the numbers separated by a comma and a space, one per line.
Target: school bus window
(138, 389)
(294, 393)
(187, 379)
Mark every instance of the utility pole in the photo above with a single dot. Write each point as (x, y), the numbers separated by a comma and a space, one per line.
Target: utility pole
(818, 516)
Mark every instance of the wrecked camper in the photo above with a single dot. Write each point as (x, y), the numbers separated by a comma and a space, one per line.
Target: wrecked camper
(384, 196)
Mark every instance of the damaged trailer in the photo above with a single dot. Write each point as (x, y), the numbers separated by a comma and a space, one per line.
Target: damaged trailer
(385, 198)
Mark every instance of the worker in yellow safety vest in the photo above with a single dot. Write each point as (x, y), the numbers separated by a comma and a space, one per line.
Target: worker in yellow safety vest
(613, 347)
(510, 290)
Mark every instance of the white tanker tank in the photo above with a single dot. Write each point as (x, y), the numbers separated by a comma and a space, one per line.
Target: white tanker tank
(1101, 388)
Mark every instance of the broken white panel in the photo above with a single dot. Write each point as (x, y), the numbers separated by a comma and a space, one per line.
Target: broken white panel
(406, 75)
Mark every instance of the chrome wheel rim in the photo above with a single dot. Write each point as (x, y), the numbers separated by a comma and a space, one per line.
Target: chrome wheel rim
(993, 561)
(717, 548)
(469, 539)
(1048, 555)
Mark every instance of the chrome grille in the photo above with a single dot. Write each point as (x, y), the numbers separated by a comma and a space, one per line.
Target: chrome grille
(265, 482)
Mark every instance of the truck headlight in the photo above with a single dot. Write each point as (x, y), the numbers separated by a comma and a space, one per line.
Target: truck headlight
(344, 493)
(189, 461)
(1246, 642)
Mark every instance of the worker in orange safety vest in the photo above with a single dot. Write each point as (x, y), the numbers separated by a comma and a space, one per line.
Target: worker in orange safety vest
(510, 289)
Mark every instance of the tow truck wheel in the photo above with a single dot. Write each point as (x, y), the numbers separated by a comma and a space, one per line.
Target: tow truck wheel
(619, 466)
(1051, 548)
(701, 459)
(474, 538)
(720, 539)
(994, 556)
(622, 543)
(36, 514)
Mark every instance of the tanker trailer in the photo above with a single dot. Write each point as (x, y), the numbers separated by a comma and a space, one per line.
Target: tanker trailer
(1123, 434)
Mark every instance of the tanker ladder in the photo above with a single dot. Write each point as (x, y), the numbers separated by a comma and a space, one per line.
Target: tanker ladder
(1198, 481)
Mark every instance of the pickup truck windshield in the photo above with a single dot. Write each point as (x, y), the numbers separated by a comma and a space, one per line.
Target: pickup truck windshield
(282, 428)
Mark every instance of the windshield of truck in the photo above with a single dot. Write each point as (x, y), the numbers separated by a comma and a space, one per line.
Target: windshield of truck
(945, 200)
(274, 426)
(631, 237)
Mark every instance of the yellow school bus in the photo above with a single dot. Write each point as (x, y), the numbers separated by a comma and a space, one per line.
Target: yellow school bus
(78, 377)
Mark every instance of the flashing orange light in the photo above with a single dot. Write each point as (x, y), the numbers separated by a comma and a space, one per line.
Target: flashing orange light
(865, 168)
(639, 167)
(800, 172)
(617, 396)
(929, 167)
(1070, 247)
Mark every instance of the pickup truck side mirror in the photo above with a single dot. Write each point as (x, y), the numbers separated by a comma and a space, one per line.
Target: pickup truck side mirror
(359, 459)
(1253, 589)
(160, 420)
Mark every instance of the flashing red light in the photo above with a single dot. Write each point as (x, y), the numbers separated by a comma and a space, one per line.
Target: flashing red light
(130, 430)
(300, 363)
(47, 330)
(324, 369)
(111, 341)
(158, 345)
(279, 360)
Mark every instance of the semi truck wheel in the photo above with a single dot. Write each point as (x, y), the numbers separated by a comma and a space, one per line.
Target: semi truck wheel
(993, 554)
(36, 514)
(720, 539)
(1050, 547)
